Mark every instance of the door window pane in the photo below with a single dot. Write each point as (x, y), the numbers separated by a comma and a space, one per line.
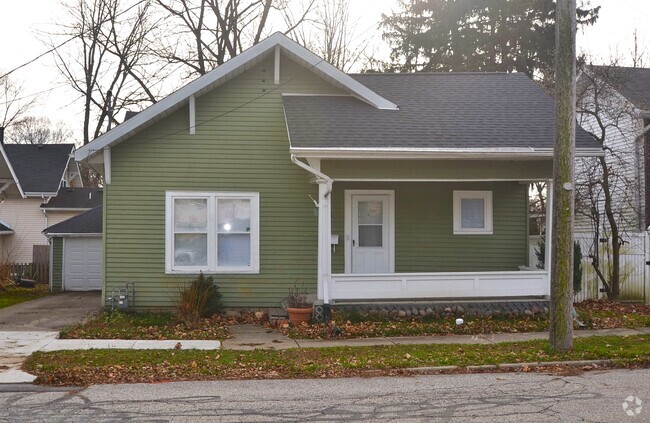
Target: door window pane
(371, 212)
(472, 211)
(191, 215)
(370, 236)
(234, 250)
(234, 215)
(190, 250)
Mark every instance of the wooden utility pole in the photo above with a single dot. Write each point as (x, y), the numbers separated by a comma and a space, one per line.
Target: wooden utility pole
(561, 325)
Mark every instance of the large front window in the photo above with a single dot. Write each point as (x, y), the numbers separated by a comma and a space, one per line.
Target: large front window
(215, 232)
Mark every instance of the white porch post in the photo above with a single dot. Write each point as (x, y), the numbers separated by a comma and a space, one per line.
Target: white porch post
(549, 234)
(324, 240)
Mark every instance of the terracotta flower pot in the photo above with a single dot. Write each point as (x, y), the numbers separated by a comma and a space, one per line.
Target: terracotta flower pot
(299, 315)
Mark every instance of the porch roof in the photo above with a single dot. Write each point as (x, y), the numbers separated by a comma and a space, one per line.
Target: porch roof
(444, 112)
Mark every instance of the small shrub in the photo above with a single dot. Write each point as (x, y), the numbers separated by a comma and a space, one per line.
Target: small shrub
(200, 299)
(297, 298)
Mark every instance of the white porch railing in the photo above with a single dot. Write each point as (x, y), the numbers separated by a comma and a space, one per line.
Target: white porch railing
(438, 285)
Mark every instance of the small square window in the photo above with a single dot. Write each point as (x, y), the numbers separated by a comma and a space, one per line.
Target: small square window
(472, 212)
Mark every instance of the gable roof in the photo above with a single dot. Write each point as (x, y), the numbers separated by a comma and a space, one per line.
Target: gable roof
(632, 83)
(438, 112)
(38, 168)
(75, 199)
(225, 72)
(86, 223)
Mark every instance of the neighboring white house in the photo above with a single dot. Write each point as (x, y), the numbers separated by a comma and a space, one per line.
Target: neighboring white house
(40, 185)
(616, 100)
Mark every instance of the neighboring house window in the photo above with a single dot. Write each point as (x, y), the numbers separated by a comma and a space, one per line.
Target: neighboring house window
(214, 232)
(472, 212)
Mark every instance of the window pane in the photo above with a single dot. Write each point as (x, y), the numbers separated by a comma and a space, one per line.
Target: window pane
(472, 211)
(190, 250)
(191, 215)
(234, 215)
(370, 236)
(371, 212)
(234, 250)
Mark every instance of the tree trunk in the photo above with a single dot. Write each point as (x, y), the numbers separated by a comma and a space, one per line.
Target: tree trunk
(561, 321)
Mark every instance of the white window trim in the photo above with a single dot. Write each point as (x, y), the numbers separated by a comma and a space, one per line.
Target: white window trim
(486, 196)
(212, 267)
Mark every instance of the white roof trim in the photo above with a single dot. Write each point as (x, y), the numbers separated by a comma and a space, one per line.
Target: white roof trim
(433, 153)
(68, 234)
(11, 169)
(5, 224)
(211, 79)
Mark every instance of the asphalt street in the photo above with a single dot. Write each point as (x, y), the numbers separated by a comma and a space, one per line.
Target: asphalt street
(596, 396)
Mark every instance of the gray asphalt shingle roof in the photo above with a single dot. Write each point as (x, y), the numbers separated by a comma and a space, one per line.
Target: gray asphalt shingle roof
(75, 198)
(632, 83)
(89, 222)
(39, 168)
(437, 110)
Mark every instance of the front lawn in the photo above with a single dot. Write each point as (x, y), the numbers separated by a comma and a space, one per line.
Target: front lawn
(594, 314)
(87, 367)
(146, 325)
(15, 295)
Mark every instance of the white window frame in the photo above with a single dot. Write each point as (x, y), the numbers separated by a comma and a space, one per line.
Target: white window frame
(212, 266)
(486, 196)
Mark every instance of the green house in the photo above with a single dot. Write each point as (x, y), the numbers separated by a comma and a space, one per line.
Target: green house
(276, 169)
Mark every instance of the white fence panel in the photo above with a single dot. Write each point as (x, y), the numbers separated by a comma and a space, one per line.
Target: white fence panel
(634, 282)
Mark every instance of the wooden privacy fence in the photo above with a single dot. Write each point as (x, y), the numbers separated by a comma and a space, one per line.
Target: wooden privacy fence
(40, 272)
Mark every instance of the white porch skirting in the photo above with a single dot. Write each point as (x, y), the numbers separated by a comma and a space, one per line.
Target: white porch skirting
(438, 285)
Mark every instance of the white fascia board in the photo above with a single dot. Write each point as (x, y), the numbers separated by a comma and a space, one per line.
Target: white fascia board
(6, 224)
(440, 153)
(40, 194)
(55, 209)
(79, 235)
(65, 169)
(11, 169)
(7, 232)
(213, 78)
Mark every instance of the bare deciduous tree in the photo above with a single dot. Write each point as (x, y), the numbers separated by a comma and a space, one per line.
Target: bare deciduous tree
(13, 104)
(203, 34)
(39, 130)
(608, 191)
(109, 55)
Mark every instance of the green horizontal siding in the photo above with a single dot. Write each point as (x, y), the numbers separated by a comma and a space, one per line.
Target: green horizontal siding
(241, 144)
(438, 169)
(424, 238)
(57, 264)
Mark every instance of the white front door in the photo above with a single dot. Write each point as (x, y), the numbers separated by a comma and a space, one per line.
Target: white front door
(371, 233)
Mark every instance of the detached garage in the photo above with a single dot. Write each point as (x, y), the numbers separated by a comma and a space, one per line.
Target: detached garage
(76, 262)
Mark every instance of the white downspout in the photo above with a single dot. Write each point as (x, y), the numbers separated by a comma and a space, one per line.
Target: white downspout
(324, 229)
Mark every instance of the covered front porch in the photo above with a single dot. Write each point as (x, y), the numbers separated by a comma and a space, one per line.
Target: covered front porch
(426, 231)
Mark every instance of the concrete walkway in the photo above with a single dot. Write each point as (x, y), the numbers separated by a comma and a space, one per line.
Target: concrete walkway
(250, 337)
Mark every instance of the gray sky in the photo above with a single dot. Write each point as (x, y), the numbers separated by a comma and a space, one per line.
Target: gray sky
(21, 21)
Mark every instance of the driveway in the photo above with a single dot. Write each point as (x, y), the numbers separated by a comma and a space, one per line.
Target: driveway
(49, 313)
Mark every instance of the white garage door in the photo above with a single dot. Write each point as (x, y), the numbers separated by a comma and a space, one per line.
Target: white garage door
(82, 264)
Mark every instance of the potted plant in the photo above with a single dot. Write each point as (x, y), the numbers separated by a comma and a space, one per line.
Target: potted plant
(298, 307)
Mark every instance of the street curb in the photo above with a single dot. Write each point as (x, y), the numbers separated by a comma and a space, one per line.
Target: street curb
(508, 366)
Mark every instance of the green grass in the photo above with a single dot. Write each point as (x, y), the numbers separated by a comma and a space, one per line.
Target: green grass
(14, 295)
(144, 325)
(119, 366)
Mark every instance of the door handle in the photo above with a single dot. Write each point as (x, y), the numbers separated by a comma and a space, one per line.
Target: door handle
(353, 243)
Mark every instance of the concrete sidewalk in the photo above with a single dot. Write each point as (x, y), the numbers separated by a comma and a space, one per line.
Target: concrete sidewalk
(16, 346)
(250, 337)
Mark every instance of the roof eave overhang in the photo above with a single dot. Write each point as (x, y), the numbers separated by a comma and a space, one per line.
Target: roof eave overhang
(40, 194)
(72, 234)
(67, 209)
(423, 153)
(223, 73)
